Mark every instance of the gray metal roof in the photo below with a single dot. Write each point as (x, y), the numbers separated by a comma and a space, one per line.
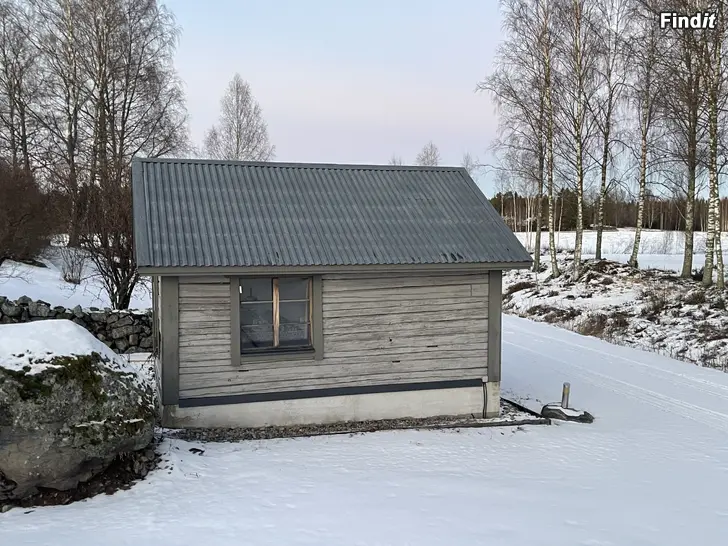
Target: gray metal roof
(235, 214)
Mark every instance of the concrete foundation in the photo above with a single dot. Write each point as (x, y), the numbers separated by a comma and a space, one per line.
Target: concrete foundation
(492, 399)
(333, 409)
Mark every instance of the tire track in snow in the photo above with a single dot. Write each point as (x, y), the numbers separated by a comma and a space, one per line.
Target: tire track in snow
(711, 418)
(661, 372)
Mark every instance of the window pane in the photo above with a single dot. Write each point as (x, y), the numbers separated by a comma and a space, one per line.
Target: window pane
(257, 336)
(256, 289)
(293, 312)
(292, 335)
(256, 313)
(293, 289)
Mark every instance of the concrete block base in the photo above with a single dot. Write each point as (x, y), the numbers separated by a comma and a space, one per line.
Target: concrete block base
(492, 400)
(333, 409)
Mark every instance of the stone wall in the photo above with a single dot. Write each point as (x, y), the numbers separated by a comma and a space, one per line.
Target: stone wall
(122, 331)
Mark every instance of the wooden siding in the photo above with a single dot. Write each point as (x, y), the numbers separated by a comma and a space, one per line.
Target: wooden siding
(204, 324)
(375, 331)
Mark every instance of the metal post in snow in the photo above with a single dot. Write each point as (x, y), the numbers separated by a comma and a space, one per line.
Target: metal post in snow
(565, 395)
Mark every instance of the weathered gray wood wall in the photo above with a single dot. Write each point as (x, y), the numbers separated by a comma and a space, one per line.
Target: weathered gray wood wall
(389, 330)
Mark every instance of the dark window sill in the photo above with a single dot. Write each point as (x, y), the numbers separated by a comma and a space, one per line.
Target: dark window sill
(273, 355)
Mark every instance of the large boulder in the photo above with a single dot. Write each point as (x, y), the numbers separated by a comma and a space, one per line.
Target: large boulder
(68, 406)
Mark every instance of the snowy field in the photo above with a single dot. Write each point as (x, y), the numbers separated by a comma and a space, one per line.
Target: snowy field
(652, 242)
(47, 284)
(651, 470)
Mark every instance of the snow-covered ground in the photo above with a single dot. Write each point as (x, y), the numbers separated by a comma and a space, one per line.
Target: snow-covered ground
(651, 470)
(47, 284)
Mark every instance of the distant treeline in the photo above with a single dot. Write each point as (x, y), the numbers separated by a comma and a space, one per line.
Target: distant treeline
(620, 211)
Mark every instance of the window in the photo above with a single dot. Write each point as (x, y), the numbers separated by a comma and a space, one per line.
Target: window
(275, 314)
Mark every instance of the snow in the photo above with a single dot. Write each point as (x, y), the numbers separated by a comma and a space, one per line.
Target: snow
(47, 284)
(30, 346)
(621, 241)
(651, 470)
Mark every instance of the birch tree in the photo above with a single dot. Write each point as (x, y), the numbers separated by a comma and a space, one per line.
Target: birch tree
(519, 86)
(59, 42)
(611, 71)
(241, 133)
(469, 163)
(19, 84)
(716, 103)
(683, 108)
(644, 85)
(578, 86)
(429, 156)
(136, 107)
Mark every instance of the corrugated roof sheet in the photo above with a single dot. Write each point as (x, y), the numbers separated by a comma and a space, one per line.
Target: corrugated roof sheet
(217, 213)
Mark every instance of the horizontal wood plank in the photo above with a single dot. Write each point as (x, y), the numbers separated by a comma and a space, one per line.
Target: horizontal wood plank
(382, 308)
(404, 283)
(331, 366)
(206, 279)
(404, 320)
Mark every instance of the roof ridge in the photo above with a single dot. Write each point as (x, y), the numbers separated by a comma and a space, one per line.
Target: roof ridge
(301, 165)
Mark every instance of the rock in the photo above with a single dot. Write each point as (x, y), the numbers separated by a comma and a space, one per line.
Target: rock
(65, 424)
(39, 309)
(134, 340)
(555, 411)
(9, 309)
(79, 321)
(121, 344)
(77, 311)
(98, 317)
(125, 331)
(94, 309)
(5, 508)
(24, 315)
(126, 320)
(101, 337)
(24, 300)
(147, 330)
(3, 299)
(112, 318)
(146, 343)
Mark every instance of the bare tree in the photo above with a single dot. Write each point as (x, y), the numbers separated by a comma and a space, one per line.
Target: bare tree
(241, 133)
(136, 108)
(59, 40)
(611, 68)
(643, 50)
(681, 68)
(715, 80)
(469, 163)
(19, 84)
(521, 86)
(578, 86)
(429, 156)
(395, 160)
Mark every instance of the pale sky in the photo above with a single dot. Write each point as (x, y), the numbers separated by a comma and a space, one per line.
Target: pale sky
(347, 81)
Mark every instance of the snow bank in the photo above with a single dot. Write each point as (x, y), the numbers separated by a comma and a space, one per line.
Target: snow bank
(32, 346)
(646, 309)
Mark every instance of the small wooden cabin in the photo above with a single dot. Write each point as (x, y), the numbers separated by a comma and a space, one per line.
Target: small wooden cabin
(304, 293)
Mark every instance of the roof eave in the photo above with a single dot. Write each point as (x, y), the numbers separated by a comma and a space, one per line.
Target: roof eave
(330, 269)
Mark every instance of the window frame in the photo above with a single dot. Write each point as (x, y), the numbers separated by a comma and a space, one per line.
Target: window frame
(311, 352)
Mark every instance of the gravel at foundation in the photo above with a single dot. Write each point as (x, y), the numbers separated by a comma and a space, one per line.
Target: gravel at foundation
(510, 416)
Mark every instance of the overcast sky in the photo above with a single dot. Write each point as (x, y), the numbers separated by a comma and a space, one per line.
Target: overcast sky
(346, 81)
